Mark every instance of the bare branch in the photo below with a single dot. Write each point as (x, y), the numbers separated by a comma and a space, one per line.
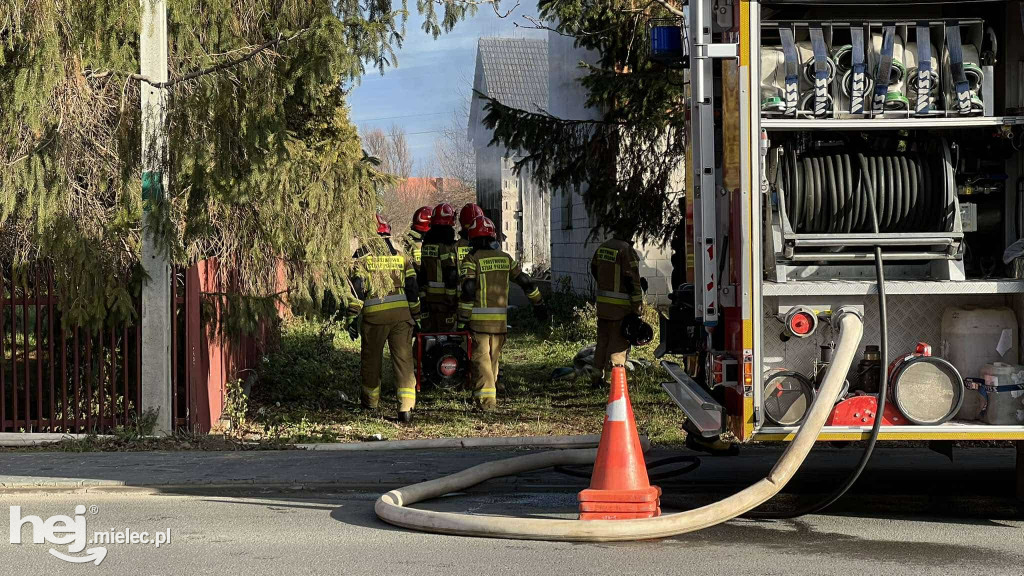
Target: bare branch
(670, 6)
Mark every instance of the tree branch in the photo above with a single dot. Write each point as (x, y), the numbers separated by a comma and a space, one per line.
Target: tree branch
(256, 51)
(670, 6)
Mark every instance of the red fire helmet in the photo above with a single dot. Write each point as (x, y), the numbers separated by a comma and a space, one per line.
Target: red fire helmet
(482, 228)
(383, 228)
(444, 215)
(469, 213)
(421, 219)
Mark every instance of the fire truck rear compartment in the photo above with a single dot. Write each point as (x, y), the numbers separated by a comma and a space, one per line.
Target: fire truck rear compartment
(946, 183)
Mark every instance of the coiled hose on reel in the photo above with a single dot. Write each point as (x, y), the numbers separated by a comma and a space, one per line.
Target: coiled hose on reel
(822, 191)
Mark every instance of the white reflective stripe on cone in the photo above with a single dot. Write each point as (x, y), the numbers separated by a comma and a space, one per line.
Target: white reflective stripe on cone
(616, 411)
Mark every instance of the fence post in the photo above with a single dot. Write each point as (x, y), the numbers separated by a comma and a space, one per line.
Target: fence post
(156, 291)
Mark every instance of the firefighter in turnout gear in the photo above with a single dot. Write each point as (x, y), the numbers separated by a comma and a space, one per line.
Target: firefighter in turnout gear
(467, 216)
(389, 315)
(486, 272)
(615, 268)
(439, 272)
(412, 242)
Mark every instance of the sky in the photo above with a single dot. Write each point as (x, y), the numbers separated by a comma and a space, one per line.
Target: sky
(433, 80)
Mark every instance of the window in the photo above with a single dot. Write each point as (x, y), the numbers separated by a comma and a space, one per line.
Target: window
(566, 210)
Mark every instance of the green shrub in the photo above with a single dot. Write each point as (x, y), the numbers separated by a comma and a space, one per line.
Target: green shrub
(315, 365)
(573, 317)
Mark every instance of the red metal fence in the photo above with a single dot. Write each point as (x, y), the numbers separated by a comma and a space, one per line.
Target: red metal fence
(57, 378)
(60, 378)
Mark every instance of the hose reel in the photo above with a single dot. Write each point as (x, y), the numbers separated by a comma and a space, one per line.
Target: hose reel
(824, 192)
(822, 204)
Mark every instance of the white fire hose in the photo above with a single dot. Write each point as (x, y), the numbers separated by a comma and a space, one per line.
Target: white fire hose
(393, 507)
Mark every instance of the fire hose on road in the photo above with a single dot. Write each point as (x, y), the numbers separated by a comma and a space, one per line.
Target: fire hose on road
(394, 507)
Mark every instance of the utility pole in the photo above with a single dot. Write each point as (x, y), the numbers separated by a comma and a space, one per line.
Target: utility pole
(156, 289)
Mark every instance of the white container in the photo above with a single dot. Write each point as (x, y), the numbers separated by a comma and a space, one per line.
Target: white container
(1004, 389)
(973, 337)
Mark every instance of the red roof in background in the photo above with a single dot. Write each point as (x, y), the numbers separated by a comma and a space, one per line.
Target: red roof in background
(419, 187)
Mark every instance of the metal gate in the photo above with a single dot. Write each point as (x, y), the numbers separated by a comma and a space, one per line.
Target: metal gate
(55, 377)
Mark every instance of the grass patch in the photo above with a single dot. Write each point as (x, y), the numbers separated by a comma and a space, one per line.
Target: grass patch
(308, 390)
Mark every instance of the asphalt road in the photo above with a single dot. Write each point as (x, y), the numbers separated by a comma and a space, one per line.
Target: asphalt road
(256, 534)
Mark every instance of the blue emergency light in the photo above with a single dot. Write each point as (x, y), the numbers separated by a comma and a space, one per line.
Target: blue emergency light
(669, 46)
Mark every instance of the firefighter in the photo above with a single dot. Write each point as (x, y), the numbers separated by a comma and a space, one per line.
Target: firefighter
(467, 216)
(439, 272)
(412, 242)
(389, 314)
(615, 268)
(483, 299)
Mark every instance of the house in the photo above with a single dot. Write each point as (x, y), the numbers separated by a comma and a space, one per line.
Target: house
(513, 71)
(571, 225)
(544, 75)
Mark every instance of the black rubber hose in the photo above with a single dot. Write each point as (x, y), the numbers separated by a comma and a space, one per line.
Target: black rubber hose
(892, 206)
(796, 219)
(883, 383)
(830, 184)
(692, 463)
(910, 178)
(856, 206)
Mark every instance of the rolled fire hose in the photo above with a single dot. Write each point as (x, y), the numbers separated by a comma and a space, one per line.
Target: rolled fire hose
(393, 507)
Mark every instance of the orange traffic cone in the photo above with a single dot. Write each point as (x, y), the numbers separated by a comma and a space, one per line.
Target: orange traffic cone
(619, 488)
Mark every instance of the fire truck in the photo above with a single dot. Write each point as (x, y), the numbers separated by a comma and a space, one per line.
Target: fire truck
(838, 148)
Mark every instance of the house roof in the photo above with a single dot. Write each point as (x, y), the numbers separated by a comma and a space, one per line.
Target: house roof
(513, 71)
(424, 187)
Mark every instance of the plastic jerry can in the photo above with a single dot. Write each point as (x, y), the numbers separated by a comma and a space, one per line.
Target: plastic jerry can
(1004, 392)
(973, 337)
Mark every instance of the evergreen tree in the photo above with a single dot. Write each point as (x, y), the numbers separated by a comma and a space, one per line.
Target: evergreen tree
(264, 164)
(623, 164)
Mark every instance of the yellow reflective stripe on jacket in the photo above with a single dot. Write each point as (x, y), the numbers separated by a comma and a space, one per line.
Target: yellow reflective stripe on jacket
(481, 290)
(410, 272)
(609, 297)
(485, 314)
(534, 295)
(386, 303)
(435, 288)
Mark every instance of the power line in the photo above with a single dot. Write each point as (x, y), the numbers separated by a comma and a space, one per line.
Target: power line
(401, 116)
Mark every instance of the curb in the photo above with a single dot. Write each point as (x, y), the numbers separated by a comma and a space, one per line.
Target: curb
(586, 441)
(13, 440)
(255, 488)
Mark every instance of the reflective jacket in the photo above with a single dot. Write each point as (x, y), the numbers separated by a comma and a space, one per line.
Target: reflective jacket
(400, 302)
(438, 273)
(483, 299)
(616, 271)
(412, 245)
(462, 249)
